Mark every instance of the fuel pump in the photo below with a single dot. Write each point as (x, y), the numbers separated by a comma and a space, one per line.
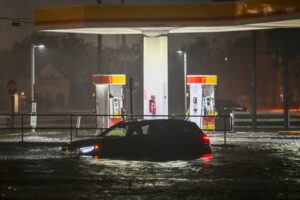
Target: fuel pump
(195, 104)
(109, 98)
(201, 89)
(116, 105)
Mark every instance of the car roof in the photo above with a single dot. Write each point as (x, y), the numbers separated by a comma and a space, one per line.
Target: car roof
(155, 122)
(142, 121)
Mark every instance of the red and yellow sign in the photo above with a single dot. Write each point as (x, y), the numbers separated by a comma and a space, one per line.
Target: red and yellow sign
(113, 79)
(208, 123)
(201, 79)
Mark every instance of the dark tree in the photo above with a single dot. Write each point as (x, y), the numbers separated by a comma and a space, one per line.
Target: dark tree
(283, 44)
(127, 60)
(70, 55)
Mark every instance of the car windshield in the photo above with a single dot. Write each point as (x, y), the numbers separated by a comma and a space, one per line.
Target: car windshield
(152, 127)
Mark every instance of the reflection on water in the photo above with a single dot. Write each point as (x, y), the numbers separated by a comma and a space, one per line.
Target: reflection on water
(143, 174)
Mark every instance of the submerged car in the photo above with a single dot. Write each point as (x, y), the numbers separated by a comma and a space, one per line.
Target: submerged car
(146, 139)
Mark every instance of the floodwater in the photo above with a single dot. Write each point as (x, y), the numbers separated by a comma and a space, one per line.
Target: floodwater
(252, 166)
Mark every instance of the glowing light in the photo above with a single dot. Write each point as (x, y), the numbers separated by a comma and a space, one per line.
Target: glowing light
(40, 46)
(96, 146)
(96, 157)
(205, 138)
(87, 149)
(207, 156)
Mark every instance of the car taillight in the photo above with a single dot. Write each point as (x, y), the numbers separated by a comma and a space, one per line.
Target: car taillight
(205, 138)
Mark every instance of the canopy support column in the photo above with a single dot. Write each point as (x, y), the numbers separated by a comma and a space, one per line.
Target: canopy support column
(156, 75)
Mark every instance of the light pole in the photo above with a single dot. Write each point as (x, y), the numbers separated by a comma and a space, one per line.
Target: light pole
(33, 117)
(184, 72)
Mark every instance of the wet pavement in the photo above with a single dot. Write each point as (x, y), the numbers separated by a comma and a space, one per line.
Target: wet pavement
(252, 166)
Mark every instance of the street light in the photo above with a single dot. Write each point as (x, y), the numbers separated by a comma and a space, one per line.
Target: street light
(184, 72)
(33, 117)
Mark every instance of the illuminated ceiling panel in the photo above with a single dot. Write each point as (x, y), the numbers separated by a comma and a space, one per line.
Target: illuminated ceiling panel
(279, 24)
(104, 31)
(157, 31)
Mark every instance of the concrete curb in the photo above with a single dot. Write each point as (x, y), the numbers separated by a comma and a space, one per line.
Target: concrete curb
(289, 133)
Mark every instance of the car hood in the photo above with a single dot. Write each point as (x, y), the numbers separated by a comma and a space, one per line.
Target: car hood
(89, 141)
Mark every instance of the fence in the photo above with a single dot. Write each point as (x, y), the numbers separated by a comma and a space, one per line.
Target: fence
(62, 126)
(265, 120)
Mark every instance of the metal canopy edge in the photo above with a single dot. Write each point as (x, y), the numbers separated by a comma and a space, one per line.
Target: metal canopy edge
(137, 19)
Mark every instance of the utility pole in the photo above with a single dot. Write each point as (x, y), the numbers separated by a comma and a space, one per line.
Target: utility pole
(33, 116)
(253, 82)
(286, 95)
(184, 74)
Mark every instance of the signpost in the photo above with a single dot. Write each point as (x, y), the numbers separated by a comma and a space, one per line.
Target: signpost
(33, 120)
(33, 107)
(33, 117)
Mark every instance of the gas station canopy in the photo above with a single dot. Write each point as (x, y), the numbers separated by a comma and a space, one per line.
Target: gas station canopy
(153, 20)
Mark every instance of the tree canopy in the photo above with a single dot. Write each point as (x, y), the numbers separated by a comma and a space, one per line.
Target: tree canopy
(70, 55)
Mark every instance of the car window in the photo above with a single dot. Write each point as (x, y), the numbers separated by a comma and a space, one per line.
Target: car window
(187, 129)
(125, 129)
(150, 128)
(119, 131)
(190, 128)
(162, 128)
(145, 129)
(158, 128)
(154, 129)
(172, 128)
(139, 130)
(136, 130)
